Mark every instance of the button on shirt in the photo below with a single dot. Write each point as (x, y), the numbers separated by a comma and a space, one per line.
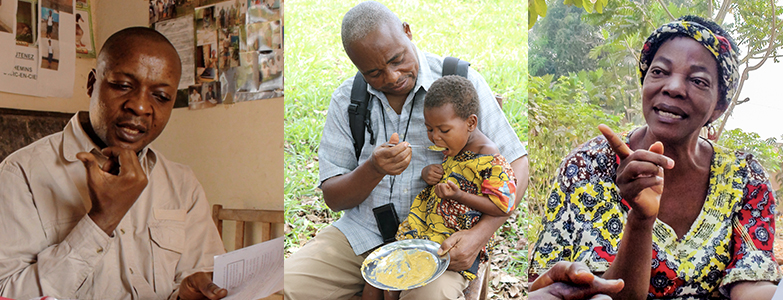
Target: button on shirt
(336, 154)
(51, 247)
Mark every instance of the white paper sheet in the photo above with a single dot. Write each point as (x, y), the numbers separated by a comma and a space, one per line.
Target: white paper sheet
(179, 31)
(252, 272)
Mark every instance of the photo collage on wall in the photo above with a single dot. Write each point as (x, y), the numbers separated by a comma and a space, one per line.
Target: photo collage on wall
(37, 47)
(232, 51)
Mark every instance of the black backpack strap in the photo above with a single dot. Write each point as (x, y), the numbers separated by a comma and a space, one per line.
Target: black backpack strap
(455, 66)
(359, 113)
(361, 106)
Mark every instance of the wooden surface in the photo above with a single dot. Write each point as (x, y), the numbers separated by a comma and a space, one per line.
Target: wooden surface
(277, 296)
(265, 217)
(241, 216)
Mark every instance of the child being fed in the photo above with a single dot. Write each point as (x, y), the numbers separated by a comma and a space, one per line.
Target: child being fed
(474, 179)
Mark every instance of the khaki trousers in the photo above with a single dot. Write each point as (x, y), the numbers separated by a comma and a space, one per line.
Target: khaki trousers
(327, 268)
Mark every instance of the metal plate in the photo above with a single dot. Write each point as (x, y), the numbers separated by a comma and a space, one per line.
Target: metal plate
(383, 255)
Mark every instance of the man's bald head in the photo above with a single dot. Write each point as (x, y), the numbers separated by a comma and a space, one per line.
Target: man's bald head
(122, 42)
(132, 90)
(365, 18)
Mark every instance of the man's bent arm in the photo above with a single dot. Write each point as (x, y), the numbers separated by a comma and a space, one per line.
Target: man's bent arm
(478, 236)
(521, 169)
(345, 191)
(29, 266)
(351, 189)
(464, 245)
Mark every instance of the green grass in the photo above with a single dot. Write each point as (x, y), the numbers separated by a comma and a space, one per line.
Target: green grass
(491, 35)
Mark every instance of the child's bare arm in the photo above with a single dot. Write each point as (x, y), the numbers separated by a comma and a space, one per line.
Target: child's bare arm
(450, 190)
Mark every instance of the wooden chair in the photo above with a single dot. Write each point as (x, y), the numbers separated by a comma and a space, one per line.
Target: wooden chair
(478, 289)
(499, 98)
(265, 217)
(240, 216)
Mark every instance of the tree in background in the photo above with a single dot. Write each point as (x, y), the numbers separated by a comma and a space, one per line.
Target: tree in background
(604, 87)
(561, 42)
(622, 26)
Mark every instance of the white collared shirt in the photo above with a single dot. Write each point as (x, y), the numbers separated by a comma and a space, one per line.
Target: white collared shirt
(51, 247)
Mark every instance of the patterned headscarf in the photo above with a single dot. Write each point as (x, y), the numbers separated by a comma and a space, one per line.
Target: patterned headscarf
(722, 48)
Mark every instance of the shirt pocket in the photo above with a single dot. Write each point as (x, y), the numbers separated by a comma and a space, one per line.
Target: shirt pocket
(168, 244)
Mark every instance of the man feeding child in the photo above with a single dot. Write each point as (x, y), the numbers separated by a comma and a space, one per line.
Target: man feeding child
(474, 179)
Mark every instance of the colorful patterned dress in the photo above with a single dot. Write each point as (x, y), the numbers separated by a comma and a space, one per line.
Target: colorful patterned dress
(730, 241)
(435, 219)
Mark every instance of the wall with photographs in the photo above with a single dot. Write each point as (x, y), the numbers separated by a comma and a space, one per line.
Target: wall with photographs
(235, 150)
(231, 50)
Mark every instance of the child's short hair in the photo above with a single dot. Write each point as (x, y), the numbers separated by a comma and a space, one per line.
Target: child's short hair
(454, 89)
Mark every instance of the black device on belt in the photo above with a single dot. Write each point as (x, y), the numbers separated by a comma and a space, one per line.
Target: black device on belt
(386, 218)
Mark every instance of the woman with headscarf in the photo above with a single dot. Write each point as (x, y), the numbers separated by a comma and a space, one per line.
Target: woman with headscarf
(698, 216)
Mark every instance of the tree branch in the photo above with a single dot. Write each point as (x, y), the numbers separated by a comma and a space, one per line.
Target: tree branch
(724, 9)
(647, 18)
(631, 51)
(671, 17)
(709, 7)
(733, 104)
(771, 38)
(638, 84)
(734, 100)
(752, 55)
(771, 56)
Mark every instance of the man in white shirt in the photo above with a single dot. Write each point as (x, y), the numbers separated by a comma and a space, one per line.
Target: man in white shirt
(93, 212)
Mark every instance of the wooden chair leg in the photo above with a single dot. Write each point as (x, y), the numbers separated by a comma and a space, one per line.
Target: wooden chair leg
(239, 239)
(218, 222)
(476, 287)
(485, 284)
(266, 231)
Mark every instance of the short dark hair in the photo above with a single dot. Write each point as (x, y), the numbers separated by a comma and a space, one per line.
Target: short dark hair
(365, 18)
(458, 91)
(117, 43)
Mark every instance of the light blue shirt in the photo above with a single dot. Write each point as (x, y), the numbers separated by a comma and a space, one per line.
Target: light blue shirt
(336, 154)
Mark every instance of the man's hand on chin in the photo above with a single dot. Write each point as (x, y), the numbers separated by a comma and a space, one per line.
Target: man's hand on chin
(200, 286)
(114, 187)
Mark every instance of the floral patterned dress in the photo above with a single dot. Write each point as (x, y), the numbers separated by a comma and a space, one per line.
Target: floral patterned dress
(435, 219)
(730, 241)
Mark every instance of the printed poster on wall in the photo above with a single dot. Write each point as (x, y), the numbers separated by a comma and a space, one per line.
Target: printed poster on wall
(179, 31)
(37, 56)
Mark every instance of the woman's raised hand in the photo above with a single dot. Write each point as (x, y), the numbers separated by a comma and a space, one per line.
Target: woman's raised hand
(640, 174)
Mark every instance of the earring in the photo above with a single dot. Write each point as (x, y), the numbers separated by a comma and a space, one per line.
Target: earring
(712, 132)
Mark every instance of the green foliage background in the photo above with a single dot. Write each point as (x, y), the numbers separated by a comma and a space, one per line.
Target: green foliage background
(490, 34)
(584, 72)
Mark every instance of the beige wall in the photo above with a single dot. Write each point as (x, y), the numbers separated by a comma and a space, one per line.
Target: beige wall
(235, 150)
